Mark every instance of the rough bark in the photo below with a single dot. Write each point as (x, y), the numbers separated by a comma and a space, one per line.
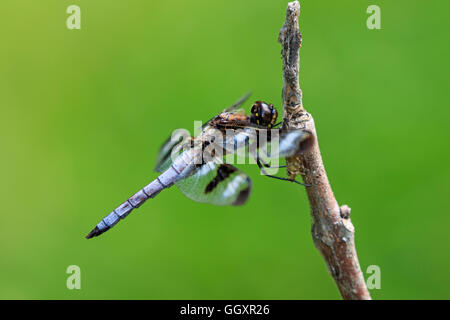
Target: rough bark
(332, 229)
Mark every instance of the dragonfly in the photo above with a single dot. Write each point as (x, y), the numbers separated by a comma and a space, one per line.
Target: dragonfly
(209, 179)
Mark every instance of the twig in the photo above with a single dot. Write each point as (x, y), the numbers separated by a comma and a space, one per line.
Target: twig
(332, 229)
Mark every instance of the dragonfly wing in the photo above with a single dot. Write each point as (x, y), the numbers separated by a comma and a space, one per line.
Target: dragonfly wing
(233, 107)
(218, 184)
(288, 143)
(283, 144)
(295, 142)
(167, 147)
(238, 103)
(165, 152)
(164, 164)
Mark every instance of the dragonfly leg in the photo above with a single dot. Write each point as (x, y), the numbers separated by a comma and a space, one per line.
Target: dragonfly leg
(278, 178)
(268, 165)
(277, 124)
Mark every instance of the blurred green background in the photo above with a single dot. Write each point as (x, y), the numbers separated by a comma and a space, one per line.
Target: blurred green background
(85, 111)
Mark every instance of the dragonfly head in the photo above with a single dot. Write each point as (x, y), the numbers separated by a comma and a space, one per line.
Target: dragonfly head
(263, 114)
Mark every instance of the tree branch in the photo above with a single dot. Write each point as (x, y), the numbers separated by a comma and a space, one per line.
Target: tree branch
(332, 230)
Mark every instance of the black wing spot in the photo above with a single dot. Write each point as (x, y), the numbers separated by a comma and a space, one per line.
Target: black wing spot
(243, 195)
(223, 172)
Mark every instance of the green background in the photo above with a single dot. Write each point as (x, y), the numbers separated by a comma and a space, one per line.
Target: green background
(84, 112)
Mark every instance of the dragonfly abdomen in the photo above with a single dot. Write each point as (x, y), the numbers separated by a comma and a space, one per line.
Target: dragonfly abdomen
(178, 169)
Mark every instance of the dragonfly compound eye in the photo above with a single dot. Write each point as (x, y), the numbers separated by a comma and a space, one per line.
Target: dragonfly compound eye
(267, 114)
(263, 114)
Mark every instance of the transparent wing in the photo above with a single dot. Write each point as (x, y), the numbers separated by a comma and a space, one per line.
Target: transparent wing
(234, 106)
(218, 184)
(276, 143)
(165, 152)
(281, 144)
(294, 142)
(238, 103)
(215, 183)
(164, 164)
(169, 144)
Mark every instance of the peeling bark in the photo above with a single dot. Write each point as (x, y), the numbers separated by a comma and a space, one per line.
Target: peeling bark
(332, 229)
